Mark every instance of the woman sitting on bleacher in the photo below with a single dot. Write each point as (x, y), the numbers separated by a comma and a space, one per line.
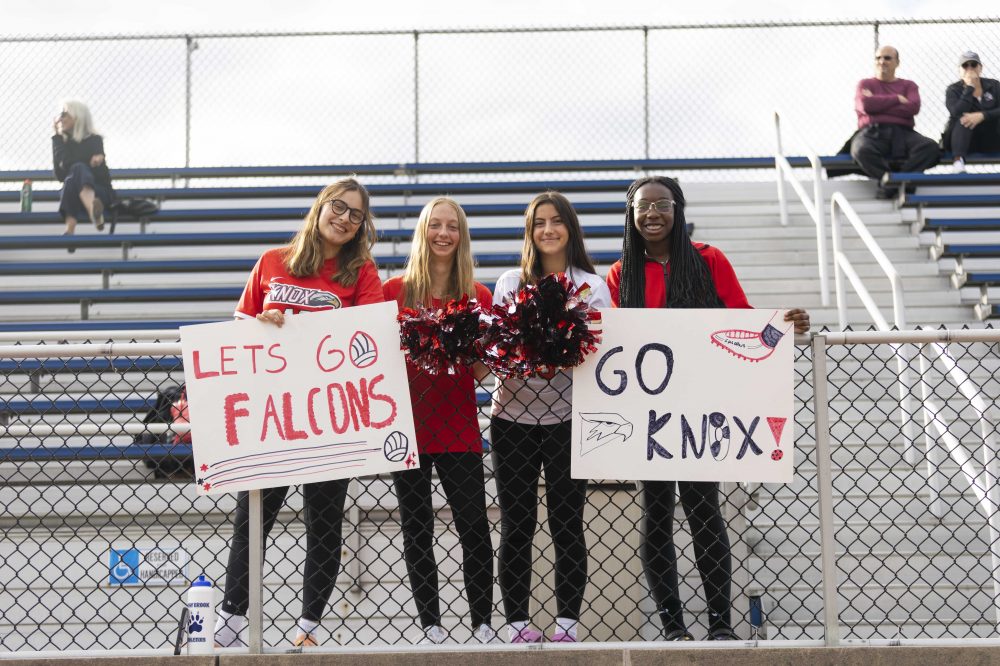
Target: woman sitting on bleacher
(330, 257)
(447, 424)
(78, 162)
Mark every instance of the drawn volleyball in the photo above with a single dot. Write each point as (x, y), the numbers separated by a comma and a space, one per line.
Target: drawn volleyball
(395, 447)
(364, 351)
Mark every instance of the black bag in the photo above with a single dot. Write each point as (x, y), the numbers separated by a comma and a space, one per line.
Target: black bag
(169, 466)
(132, 208)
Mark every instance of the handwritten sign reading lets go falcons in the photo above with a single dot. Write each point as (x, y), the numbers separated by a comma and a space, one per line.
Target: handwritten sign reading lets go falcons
(323, 397)
(687, 395)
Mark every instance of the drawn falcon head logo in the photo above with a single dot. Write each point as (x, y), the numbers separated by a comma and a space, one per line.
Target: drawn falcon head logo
(602, 428)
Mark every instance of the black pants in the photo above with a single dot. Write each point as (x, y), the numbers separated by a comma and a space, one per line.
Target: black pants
(461, 477)
(79, 177)
(985, 138)
(520, 452)
(324, 516)
(877, 148)
(711, 549)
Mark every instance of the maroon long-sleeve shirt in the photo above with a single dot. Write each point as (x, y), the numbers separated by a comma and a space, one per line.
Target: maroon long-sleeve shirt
(883, 106)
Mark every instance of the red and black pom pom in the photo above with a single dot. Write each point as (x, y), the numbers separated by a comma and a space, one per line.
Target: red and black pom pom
(540, 329)
(440, 340)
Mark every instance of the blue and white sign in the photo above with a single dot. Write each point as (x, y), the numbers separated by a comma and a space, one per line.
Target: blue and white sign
(148, 565)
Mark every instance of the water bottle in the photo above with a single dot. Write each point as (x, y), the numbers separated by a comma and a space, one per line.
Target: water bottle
(201, 616)
(26, 196)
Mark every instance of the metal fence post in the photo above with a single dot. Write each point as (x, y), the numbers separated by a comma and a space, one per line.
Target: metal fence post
(824, 485)
(191, 46)
(645, 88)
(255, 613)
(416, 96)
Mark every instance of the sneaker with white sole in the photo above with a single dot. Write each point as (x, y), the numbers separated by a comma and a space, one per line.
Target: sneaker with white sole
(434, 635)
(958, 166)
(484, 633)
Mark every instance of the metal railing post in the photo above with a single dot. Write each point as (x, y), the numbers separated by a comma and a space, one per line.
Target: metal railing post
(255, 612)
(824, 483)
(779, 154)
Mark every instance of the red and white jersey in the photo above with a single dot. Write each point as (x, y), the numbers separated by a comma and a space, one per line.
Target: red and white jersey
(271, 287)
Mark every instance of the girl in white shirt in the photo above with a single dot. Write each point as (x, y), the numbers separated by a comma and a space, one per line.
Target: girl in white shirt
(530, 425)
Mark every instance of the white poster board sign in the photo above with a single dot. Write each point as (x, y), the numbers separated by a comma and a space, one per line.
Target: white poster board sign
(688, 395)
(323, 397)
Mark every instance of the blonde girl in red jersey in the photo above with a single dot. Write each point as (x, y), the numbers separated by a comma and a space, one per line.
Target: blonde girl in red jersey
(445, 414)
(328, 265)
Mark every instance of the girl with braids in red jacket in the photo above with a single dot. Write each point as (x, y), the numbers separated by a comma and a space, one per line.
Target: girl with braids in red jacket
(662, 267)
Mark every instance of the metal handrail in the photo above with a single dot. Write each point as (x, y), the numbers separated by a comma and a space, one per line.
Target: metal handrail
(813, 206)
(842, 264)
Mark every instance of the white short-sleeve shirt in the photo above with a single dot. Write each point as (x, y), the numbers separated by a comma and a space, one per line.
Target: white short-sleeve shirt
(538, 401)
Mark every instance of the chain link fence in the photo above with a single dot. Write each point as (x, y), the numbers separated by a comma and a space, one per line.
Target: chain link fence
(476, 95)
(103, 530)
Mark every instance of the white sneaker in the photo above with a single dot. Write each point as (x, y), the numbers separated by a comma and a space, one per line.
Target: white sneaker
(484, 633)
(434, 635)
(958, 166)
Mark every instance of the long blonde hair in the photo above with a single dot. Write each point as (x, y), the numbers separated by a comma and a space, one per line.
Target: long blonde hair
(304, 256)
(417, 276)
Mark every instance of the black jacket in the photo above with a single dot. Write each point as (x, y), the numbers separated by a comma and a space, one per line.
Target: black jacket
(66, 153)
(958, 98)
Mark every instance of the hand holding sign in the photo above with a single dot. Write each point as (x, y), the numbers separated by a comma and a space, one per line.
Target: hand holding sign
(685, 395)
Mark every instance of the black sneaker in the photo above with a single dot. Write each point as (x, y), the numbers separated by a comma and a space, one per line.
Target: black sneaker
(678, 635)
(722, 634)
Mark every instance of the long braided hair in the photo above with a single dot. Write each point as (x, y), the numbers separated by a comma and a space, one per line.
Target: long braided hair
(691, 284)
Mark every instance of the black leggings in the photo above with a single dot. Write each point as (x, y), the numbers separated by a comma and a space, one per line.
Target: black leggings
(711, 549)
(461, 477)
(519, 453)
(324, 515)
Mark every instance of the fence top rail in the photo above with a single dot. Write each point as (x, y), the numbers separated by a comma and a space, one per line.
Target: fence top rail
(418, 168)
(909, 337)
(508, 29)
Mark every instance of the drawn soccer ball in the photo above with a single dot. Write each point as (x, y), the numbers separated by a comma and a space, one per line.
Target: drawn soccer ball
(395, 447)
(776, 454)
(364, 351)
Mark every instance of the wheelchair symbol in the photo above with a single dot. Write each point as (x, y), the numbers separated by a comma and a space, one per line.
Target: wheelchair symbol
(121, 571)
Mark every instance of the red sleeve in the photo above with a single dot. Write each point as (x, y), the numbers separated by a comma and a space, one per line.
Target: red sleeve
(614, 281)
(392, 290)
(483, 295)
(252, 300)
(726, 283)
(369, 287)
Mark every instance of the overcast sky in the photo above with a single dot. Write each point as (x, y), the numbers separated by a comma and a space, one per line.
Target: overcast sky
(159, 16)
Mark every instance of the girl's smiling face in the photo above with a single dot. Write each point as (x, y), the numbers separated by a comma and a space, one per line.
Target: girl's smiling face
(548, 232)
(654, 212)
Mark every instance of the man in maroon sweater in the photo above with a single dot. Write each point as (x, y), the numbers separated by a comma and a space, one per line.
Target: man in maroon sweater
(885, 139)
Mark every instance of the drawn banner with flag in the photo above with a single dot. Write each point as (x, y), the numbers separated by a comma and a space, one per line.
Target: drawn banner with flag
(687, 395)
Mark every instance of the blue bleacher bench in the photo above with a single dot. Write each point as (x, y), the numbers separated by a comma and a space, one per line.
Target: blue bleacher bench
(951, 200)
(962, 224)
(418, 168)
(973, 251)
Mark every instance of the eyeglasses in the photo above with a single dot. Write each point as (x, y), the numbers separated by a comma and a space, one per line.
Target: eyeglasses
(970, 65)
(663, 206)
(338, 207)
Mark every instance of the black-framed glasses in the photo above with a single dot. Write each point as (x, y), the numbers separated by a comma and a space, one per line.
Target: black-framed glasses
(339, 207)
(972, 64)
(663, 206)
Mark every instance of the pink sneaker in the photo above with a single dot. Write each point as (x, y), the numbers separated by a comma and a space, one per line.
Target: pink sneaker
(562, 637)
(527, 635)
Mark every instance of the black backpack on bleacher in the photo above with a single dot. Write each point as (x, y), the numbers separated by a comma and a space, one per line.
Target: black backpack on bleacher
(169, 466)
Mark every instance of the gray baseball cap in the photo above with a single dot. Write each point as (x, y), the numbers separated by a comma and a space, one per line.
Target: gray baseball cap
(969, 56)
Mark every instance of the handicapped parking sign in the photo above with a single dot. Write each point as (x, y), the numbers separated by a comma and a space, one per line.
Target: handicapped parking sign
(148, 565)
(124, 567)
